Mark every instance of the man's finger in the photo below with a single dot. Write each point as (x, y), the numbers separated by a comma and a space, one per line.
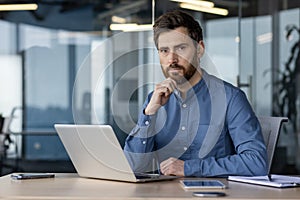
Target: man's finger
(164, 164)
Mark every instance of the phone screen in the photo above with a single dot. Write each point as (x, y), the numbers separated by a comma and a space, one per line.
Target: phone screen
(197, 184)
(20, 176)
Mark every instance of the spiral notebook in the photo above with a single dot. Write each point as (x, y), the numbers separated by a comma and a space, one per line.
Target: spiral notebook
(279, 181)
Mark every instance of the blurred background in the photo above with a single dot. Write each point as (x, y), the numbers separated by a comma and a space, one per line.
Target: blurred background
(94, 62)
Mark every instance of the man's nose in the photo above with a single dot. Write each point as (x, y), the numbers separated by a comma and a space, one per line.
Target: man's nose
(173, 57)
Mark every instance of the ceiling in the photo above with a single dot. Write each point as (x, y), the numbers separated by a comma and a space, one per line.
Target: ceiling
(79, 14)
(96, 14)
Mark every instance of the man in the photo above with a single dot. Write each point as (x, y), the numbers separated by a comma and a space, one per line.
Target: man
(193, 124)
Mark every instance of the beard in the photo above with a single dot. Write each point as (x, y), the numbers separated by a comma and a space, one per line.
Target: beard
(188, 72)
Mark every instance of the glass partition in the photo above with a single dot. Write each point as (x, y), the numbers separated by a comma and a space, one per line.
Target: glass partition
(8, 37)
(287, 97)
(222, 47)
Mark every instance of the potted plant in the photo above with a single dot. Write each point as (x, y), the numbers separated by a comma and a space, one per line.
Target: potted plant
(288, 84)
(286, 97)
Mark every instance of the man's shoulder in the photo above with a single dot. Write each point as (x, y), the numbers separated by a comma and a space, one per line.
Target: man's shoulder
(215, 83)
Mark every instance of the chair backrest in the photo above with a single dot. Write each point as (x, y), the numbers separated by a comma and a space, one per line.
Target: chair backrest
(270, 129)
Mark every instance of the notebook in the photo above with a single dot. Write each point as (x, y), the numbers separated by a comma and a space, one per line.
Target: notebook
(96, 153)
(279, 181)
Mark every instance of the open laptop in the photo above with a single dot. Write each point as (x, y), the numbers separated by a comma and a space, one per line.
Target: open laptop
(96, 153)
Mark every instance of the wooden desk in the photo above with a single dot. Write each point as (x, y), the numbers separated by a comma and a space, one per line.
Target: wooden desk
(70, 186)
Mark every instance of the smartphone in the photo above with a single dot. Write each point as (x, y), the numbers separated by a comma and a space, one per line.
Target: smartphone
(202, 184)
(209, 194)
(21, 176)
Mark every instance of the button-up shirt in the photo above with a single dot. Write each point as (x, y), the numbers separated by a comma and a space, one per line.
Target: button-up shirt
(213, 130)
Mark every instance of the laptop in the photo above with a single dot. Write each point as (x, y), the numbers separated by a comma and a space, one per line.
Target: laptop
(96, 153)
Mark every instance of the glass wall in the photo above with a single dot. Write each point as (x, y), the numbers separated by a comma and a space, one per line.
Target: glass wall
(46, 90)
(10, 84)
(222, 47)
(121, 78)
(51, 61)
(288, 82)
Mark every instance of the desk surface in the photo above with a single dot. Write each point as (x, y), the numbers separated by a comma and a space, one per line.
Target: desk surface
(70, 186)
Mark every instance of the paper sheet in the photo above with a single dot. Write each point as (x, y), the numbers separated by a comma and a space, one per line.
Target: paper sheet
(280, 181)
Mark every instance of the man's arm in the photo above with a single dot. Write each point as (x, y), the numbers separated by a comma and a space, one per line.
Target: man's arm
(250, 158)
(251, 155)
(139, 145)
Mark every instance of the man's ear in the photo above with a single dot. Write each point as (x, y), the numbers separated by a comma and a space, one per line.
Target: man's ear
(200, 48)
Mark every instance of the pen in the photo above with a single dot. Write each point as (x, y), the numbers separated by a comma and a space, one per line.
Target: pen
(155, 166)
(158, 168)
(269, 177)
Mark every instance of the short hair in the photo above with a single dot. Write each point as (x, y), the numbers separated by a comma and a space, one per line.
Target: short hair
(174, 19)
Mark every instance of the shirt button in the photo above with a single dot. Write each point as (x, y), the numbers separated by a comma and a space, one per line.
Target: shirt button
(185, 148)
(183, 128)
(184, 105)
(144, 142)
(146, 123)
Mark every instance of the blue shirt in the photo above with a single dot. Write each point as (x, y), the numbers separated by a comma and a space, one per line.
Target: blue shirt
(214, 130)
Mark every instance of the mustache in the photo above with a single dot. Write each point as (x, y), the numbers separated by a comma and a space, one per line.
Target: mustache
(175, 66)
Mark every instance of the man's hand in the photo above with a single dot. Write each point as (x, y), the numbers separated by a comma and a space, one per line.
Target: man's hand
(160, 96)
(172, 166)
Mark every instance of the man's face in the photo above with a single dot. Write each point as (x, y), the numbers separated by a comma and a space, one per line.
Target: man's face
(178, 55)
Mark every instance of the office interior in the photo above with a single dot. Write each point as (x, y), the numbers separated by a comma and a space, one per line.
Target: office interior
(94, 62)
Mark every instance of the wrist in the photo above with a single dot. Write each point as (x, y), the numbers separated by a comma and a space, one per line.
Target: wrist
(151, 110)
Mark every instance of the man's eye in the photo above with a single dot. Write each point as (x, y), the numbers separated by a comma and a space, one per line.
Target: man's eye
(164, 51)
(181, 48)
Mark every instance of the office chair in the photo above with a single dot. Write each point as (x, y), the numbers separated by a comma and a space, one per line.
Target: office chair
(270, 129)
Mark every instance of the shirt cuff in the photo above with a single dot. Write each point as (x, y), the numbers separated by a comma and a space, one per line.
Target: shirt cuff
(145, 120)
(192, 168)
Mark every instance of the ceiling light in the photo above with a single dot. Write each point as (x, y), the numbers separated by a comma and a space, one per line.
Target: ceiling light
(130, 27)
(118, 27)
(197, 2)
(117, 19)
(214, 10)
(141, 27)
(12, 7)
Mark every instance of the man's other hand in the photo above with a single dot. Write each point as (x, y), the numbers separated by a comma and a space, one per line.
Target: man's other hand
(172, 166)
